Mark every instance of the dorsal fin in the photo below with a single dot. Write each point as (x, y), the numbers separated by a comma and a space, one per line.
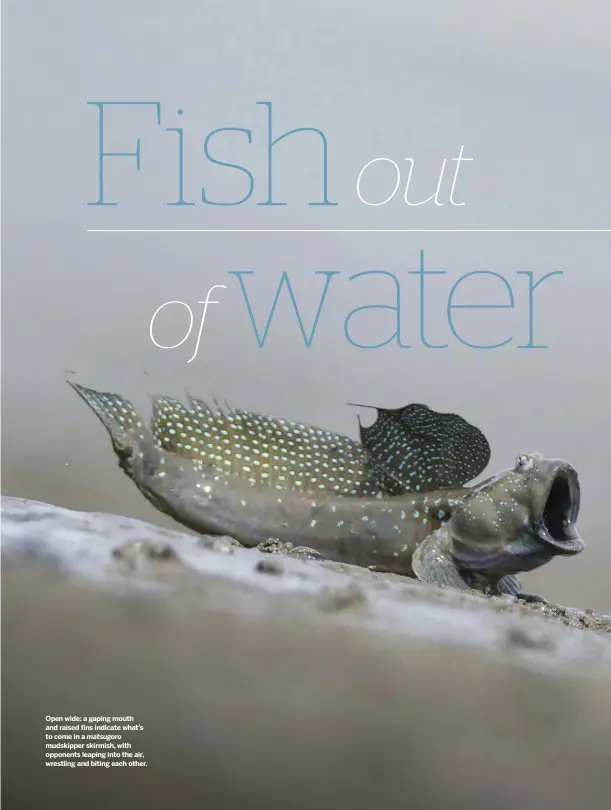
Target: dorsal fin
(420, 449)
(407, 449)
(261, 448)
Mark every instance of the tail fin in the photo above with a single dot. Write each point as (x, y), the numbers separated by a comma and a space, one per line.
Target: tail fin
(119, 417)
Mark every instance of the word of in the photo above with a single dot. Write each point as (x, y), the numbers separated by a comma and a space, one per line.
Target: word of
(201, 325)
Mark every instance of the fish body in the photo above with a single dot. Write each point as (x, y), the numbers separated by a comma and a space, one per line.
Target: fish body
(467, 537)
(373, 531)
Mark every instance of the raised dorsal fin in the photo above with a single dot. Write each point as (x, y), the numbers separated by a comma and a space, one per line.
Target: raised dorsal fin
(407, 449)
(262, 448)
(417, 448)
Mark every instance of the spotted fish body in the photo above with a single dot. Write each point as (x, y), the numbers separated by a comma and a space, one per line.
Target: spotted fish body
(256, 478)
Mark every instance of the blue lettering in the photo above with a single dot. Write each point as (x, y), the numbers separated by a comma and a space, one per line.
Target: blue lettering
(422, 273)
(230, 165)
(396, 309)
(531, 288)
(103, 154)
(272, 143)
(452, 306)
(285, 279)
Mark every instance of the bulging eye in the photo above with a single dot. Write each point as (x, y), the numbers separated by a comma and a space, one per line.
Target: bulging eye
(523, 461)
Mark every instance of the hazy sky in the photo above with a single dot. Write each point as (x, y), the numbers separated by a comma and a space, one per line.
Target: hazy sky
(524, 87)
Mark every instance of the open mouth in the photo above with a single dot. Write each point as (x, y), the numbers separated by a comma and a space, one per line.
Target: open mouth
(557, 522)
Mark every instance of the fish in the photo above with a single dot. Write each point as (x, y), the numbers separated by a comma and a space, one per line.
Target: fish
(476, 538)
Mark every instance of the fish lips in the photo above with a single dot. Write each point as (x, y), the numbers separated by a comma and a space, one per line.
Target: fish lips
(556, 523)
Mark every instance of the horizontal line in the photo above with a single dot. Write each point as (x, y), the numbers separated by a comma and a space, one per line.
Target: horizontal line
(348, 230)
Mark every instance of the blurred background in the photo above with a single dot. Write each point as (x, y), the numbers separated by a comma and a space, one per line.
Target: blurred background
(523, 86)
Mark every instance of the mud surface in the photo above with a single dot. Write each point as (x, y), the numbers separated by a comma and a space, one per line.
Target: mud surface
(266, 680)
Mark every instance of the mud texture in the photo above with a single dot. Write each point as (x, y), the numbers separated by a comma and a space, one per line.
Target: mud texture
(267, 680)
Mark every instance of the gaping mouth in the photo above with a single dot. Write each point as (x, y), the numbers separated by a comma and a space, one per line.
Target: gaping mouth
(556, 525)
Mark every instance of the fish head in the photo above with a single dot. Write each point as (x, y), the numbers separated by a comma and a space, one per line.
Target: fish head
(519, 519)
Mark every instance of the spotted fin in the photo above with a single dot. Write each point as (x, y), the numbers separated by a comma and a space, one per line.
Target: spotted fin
(116, 413)
(118, 416)
(418, 449)
(411, 449)
(263, 449)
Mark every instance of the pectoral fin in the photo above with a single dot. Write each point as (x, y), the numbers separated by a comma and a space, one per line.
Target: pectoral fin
(510, 584)
(433, 563)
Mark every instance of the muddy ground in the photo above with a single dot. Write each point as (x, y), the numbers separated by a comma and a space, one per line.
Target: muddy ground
(267, 681)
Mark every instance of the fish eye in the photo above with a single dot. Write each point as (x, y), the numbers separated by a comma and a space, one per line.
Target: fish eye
(523, 461)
